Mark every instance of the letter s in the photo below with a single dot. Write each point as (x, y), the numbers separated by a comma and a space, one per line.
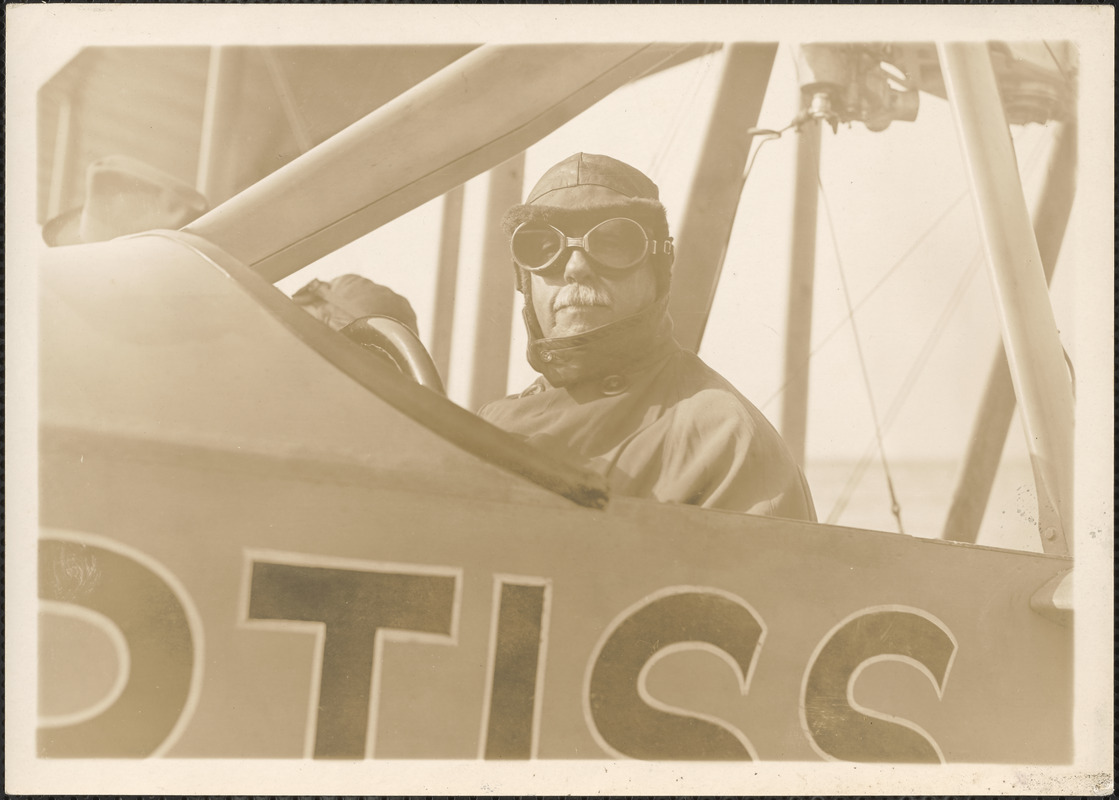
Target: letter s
(621, 714)
(837, 727)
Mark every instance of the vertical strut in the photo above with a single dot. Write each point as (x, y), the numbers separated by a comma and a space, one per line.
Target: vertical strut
(988, 434)
(214, 178)
(492, 331)
(1038, 371)
(446, 280)
(802, 269)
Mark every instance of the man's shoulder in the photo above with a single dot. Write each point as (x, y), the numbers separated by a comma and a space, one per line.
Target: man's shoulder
(694, 376)
(706, 399)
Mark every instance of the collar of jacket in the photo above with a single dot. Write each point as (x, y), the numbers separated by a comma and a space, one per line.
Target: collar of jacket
(621, 347)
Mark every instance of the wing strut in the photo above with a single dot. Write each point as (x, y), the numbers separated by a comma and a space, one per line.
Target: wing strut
(1039, 374)
(717, 188)
(469, 117)
(802, 274)
(446, 281)
(988, 434)
(215, 177)
(489, 377)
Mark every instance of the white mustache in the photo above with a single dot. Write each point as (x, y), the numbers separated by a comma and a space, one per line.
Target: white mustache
(579, 294)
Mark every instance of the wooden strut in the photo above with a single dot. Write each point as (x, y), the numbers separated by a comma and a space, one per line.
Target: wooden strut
(498, 99)
(992, 422)
(446, 282)
(802, 273)
(1042, 384)
(214, 179)
(716, 189)
(489, 377)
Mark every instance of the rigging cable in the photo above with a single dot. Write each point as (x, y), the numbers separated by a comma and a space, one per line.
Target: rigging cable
(910, 381)
(296, 122)
(1056, 62)
(1031, 162)
(866, 297)
(753, 133)
(683, 110)
(919, 363)
(895, 507)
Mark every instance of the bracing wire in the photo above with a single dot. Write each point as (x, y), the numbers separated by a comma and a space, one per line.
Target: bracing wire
(683, 110)
(918, 366)
(1056, 61)
(753, 132)
(295, 120)
(911, 377)
(797, 373)
(869, 294)
(895, 507)
(908, 384)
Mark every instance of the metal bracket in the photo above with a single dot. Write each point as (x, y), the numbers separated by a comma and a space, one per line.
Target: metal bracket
(1054, 600)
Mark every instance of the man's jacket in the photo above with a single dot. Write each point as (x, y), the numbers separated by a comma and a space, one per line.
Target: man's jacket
(659, 424)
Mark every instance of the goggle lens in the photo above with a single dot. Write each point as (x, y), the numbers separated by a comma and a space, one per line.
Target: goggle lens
(617, 243)
(536, 248)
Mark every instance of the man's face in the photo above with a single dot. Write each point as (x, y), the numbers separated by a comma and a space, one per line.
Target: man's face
(578, 295)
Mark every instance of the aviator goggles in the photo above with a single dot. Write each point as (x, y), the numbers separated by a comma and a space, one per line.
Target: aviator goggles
(618, 244)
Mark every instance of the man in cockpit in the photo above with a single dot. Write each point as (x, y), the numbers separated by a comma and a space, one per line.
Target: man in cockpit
(593, 258)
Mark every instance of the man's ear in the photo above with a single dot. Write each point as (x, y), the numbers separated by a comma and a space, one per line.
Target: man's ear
(668, 261)
(664, 273)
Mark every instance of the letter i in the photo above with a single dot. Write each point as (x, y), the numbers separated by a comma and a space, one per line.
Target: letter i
(510, 716)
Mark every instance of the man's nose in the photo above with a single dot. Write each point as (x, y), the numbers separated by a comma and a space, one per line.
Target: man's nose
(578, 268)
